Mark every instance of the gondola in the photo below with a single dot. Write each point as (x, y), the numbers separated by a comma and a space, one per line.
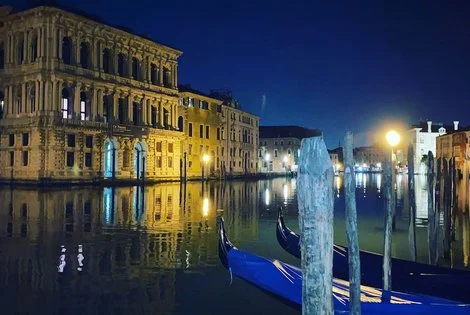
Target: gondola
(407, 276)
(285, 282)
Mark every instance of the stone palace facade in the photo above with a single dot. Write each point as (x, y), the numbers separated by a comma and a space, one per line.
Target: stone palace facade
(81, 101)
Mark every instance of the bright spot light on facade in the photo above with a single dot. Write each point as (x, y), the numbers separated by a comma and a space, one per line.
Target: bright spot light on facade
(267, 156)
(206, 158)
(267, 197)
(379, 165)
(285, 159)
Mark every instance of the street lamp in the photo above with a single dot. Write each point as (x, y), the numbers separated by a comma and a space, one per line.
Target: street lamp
(393, 138)
(205, 159)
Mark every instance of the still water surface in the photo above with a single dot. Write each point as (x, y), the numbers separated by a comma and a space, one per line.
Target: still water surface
(153, 250)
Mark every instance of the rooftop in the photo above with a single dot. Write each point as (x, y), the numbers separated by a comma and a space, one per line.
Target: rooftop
(287, 132)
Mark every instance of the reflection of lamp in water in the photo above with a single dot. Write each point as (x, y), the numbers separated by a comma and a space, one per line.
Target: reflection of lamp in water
(205, 159)
(364, 183)
(285, 193)
(205, 207)
(379, 182)
(267, 197)
(337, 185)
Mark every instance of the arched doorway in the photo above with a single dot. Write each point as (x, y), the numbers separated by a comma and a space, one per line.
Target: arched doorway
(140, 155)
(110, 158)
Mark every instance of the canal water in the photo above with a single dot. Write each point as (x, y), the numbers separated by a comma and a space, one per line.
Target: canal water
(153, 250)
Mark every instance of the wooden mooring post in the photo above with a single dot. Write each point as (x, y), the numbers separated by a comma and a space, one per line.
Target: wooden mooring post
(315, 199)
(412, 204)
(351, 227)
(387, 265)
(432, 228)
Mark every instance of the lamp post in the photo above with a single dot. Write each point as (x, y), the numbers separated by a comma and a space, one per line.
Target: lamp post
(205, 159)
(393, 138)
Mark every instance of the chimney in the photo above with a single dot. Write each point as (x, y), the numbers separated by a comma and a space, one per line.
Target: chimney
(429, 125)
(456, 125)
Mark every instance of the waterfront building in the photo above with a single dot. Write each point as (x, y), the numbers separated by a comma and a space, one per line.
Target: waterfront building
(368, 158)
(280, 147)
(82, 101)
(423, 139)
(336, 157)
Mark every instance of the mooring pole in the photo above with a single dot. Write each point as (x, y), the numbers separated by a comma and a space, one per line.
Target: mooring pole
(411, 204)
(432, 229)
(315, 199)
(387, 266)
(351, 227)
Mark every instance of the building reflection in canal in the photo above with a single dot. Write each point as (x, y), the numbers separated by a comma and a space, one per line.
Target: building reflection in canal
(124, 247)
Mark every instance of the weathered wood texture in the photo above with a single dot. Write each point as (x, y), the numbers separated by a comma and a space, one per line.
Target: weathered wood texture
(387, 266)
(455, 199)
(432, 228)
(315, 199)
(412, 204)
(351, 226)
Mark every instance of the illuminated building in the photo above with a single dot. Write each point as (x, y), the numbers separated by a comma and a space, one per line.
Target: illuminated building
(280, 147)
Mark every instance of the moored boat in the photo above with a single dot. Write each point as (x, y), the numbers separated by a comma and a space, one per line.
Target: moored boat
(407, 276)
(285, 282)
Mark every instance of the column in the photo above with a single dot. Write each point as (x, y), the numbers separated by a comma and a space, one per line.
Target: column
(54, 41)
(7, 101)
(129, 64)
(100, 54)
(55, 95)
(175, 75)
(130, 112)
(115, 60)
(41, 95)
(77, 50)
(76, 101)
(144, 110)
(115, 105)
(95, 103)
(23, 97)
(99, 103)
(160, 74)
(94, 55)
(42, 40)
(60, 39)
(149, 113)
(47, 100)
(160, 114)
(149, 70)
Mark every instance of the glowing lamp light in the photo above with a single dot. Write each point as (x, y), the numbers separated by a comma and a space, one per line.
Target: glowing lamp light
(267, 156)
(379, 165)
(285, 159)
(206, 158)
(393, 138)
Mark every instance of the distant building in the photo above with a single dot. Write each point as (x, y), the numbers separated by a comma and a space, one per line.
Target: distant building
(369, 158)
(454, 144)
(280, 147)
(423, 138)
(336, 156)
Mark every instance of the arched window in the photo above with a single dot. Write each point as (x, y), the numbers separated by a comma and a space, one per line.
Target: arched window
(32, 99)
(67, 50)
(65, 103)
(18, 100)
(121, 64)
(167, 77)
(135, 68)
(106, 61)
(154, 116)
(180, 123)
(153, 73)
(34, 48)
(20, 51)
(2, 56)
(106, 108)
(85, 55)
(136, 113)
(83, 106)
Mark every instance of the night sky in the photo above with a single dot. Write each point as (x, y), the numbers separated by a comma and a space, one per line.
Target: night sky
(336, 67)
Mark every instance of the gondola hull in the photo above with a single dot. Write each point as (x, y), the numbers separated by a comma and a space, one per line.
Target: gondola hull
(407, 276)
(285, 282)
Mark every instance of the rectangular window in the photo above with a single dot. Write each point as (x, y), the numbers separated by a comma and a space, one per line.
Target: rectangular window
(201, 131)
(89, 141)
(158, 162)
(207, 132)
(159, 146)
(25, 158)
(65, 108)
(223, 151)
(88, 159)
(191, 102)
(82, 110)
(190, 149)
(204, 105)
(170, 162)
(12, 139)
(218, 133)
(71, 140)
(12, 158)
(190, 129)
(25, 139)
(170, 147)
(70, 159)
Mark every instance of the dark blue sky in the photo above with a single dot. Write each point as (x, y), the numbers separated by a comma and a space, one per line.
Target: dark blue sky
(330, 66)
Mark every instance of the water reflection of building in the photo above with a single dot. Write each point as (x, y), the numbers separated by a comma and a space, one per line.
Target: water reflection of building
(125, 234)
